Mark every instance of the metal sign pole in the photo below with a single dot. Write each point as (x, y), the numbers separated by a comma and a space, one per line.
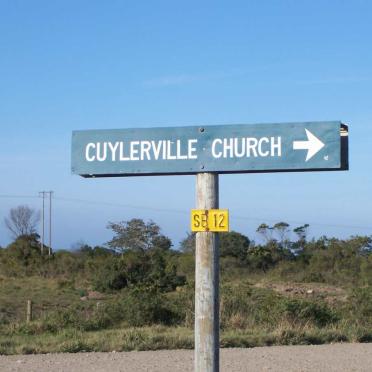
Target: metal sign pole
(207, 281)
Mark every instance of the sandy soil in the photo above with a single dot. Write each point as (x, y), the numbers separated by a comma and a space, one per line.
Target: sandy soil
(338, 357)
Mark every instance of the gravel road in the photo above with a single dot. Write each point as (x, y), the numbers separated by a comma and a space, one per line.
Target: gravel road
(338, 357)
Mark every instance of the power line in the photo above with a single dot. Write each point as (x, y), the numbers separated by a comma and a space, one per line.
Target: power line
(112, 204)
(42, 193)
(168, 210)
(185, 212)
(19, 196)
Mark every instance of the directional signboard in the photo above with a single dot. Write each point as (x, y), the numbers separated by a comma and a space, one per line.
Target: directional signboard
(222, 149)
(208, 151)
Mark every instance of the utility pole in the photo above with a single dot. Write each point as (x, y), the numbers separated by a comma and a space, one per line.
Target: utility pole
(207, 281)
(50, 222)
(42, 193)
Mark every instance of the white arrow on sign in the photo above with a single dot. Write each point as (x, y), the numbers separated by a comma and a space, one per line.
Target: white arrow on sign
(312, 145)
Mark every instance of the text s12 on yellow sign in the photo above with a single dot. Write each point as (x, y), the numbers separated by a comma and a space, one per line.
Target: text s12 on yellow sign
(215, 220)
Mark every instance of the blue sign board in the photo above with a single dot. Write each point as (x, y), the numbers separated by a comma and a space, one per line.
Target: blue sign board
(239, 148)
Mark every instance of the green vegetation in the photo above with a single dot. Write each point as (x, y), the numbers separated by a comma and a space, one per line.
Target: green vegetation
(138, 294)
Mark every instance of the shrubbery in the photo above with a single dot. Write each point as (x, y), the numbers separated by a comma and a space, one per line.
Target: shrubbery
(153, 269)
(153, 285)
(241, 307)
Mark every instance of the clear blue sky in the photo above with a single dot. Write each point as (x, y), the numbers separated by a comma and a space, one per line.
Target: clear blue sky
(67, 65)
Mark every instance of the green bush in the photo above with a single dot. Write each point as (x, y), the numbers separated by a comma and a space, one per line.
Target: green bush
(182, 305)
(83, 317)
(243, 305)
(110, 276)
(74, 346)
(317, 313)
(360, 305)
(142, 307)
(154, 268)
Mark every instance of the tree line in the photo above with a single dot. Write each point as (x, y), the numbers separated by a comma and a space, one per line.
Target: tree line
(139, 254)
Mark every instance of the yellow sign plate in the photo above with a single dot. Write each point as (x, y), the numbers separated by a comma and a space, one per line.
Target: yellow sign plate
(215, 220)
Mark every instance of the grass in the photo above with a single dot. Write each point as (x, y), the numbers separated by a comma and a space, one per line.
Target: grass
(127, 339)
(45, 293)
(160, 337)
(251, 315)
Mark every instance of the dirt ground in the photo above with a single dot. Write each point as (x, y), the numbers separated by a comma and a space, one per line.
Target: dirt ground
(337, 357)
